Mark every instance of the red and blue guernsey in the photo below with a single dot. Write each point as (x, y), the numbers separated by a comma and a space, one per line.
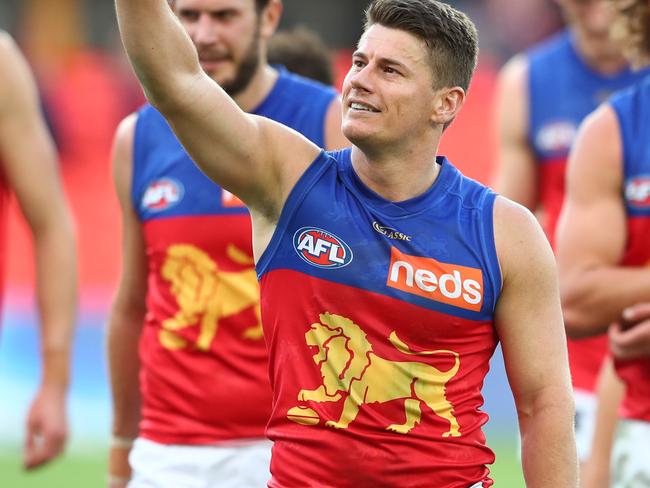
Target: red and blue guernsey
(563, 90)
(632, 108)
(379, 321)
(204, 375)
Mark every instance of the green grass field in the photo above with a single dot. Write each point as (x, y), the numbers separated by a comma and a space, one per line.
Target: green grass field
(87, 469)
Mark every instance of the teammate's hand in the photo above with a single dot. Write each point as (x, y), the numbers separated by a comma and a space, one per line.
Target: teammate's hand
(633, 341)
(47, 428)
(119, 471)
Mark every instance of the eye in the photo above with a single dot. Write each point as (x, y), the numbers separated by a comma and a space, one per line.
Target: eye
(224, 15)
(357, 63)
(189, 15)
(391, 71)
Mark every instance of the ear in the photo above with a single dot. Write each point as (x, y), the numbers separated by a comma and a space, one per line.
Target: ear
(270, 18)
(447, 104)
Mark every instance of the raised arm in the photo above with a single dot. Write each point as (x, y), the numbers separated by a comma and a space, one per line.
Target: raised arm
(592, 232)
(127, 315)
(529, 324)
(253, 157)
(29, 163)
(517, 173)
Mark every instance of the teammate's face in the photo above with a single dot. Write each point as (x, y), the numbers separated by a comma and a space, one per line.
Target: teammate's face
(592, 17)
(388, 92)
(226, 34)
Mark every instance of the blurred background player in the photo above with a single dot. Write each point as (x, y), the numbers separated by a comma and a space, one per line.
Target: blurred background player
(303, 52)
(543, 95)
(188, 293)
(603, 237)
(28, 168)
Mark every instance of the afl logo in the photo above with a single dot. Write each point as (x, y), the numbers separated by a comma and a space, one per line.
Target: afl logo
(162, 194)
(321, 248)
(637, 191)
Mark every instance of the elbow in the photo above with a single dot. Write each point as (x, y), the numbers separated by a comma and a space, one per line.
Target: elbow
(577, 311)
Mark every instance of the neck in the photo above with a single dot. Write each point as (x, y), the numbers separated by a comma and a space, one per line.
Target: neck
(397, 176)
(600, 54)
(258, 89)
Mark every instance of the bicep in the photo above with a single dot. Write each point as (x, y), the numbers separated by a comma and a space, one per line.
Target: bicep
(593, 199)
(27, 149)
(517, 174)
(132, 286)
(528, 315)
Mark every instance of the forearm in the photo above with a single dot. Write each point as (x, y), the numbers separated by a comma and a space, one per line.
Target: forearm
(56, 278)
(124, 331)
(158, 47)
(593, 299)
(548, 442)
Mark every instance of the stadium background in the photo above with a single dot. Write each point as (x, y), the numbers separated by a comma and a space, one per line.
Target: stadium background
(87, 87)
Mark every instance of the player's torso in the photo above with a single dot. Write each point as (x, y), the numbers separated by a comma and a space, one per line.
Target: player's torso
(633, 111)
(563, 90)
(378, 318)
(204, 375)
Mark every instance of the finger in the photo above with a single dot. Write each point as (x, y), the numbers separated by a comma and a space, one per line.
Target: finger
(639, 311)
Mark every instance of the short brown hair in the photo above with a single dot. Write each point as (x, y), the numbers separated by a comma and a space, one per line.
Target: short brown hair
(632, 29)
(449, 34)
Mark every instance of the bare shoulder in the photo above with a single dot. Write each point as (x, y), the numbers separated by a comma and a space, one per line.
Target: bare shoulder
(512, 97)
(122, 160)
(520, 241)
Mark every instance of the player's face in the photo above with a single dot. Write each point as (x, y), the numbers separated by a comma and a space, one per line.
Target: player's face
(592, 17)
(389, 91)
(226, 34)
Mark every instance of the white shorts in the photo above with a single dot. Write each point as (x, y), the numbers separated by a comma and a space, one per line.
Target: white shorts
(585, 421)
(631, 455)
(234, 465)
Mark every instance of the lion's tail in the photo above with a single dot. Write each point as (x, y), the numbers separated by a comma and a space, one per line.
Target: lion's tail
(401, 346)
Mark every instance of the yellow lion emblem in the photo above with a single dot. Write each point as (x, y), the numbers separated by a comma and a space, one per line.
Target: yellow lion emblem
(205, 294)
(348, 366)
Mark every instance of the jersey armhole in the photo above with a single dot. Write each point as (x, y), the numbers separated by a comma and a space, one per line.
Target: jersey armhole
(137, 157)
(298, 193)
(489, 245)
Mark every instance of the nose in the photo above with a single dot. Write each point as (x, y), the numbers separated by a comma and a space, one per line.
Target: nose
(205, 31)
(360, 78)
(600, 15)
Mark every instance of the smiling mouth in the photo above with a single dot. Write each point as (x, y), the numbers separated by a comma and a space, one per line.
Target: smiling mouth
(362, 107)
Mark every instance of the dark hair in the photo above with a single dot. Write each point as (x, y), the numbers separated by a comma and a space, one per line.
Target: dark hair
(302, 52)
(450, 35)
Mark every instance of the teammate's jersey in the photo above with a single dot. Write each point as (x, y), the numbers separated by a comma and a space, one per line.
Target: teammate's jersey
(379, 321)
(563, 90)
(204, 375)
(632, 108)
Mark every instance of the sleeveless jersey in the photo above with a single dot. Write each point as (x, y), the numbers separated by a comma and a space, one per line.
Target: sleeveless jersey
(204, 375)
(632, 108)
(378, 317)
(563, 90)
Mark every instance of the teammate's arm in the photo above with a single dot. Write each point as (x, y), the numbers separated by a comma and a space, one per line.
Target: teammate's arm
(596, 473)
(256, 159)
(127, 315)
(334, 138)
(592, 232)
(30, 166)
(529, 324)
(517, 174)
(630, 338)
